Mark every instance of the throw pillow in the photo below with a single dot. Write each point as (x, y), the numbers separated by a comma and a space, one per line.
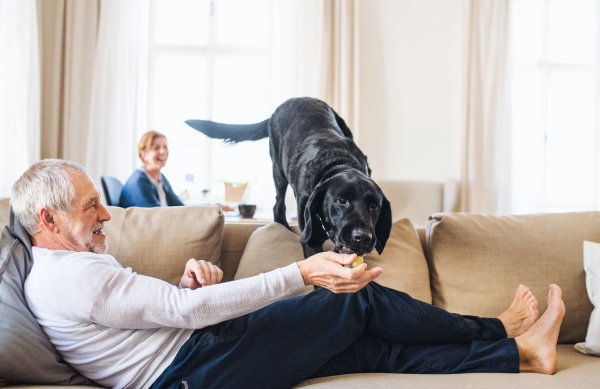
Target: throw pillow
(477, 262)
(403, 262)
(26, 354)
(269, 248)
(591, 264)
(157, 242)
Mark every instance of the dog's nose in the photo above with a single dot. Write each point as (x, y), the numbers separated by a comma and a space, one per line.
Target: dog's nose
(361, 236)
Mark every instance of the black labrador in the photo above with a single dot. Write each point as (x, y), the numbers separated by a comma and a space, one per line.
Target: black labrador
(312, 150)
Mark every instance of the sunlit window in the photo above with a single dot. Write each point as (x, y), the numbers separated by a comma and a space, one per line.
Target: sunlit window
(555, 75)
(211, 60)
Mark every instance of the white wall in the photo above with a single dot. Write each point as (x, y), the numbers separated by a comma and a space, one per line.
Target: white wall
(411, 88)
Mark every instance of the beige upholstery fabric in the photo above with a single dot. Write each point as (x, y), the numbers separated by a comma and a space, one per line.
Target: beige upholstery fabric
(235, 237)
(477, 261)
(157, 242)
(575, 370)
(4, 204)
(403, 262)
(269, 248)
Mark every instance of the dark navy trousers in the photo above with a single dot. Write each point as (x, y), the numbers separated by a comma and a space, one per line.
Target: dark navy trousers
(322, 334)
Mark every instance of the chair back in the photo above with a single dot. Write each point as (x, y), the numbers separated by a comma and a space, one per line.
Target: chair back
(112, 188)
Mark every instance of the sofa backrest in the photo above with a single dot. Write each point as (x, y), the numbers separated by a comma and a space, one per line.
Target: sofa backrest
(477, 261)
(158, 242)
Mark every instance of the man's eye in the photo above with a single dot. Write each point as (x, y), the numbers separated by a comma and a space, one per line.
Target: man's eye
(343, 201)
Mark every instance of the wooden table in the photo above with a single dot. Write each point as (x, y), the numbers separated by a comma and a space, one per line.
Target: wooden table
(239, 219)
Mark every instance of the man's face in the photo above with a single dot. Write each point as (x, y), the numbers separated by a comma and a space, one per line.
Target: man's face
(83, 226)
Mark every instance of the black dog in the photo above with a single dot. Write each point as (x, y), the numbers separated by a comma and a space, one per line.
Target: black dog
(312, 150)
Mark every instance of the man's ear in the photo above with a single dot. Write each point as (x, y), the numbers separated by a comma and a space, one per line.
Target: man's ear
(383, 228)
(48, 220)
(314, 233)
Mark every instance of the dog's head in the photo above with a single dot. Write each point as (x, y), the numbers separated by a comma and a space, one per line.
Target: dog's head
(351, 210)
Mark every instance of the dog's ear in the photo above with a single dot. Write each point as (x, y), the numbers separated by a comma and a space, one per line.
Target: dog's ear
(314, 233)
(384, 225)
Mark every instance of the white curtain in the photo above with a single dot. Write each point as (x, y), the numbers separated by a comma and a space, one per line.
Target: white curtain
(315, 53)
(19, 90)
(485, 177)
(68, 34)
(111, 139)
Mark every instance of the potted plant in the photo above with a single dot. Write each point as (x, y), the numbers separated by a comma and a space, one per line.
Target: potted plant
(234, 191)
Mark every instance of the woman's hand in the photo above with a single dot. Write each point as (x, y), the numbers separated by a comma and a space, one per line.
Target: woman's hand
(198, 274)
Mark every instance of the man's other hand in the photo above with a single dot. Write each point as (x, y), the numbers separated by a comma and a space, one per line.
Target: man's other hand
(327, 270)
(200, 273)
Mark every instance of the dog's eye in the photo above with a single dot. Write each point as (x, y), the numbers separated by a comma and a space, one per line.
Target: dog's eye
(373, 206)
(343, 201)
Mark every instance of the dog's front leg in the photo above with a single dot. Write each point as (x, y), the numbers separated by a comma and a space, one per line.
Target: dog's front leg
(281, 185)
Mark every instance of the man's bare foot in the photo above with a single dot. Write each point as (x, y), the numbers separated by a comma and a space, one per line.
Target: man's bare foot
(537, 346)
(521, 314)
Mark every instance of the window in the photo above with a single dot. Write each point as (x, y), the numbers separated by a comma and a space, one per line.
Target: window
(555, 86)
(211, 60)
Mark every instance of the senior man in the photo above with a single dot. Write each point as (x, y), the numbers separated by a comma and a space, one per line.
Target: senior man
(125, 330)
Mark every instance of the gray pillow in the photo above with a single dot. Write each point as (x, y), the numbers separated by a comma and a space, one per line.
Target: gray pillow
(25, 351)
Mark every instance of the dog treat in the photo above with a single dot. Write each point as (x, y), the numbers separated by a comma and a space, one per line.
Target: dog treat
(358, 262)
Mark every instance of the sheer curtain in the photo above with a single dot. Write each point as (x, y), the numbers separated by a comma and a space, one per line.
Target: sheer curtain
(19, 90)
(485, 178)
(111, 144)
(315, 53)
(68, 34)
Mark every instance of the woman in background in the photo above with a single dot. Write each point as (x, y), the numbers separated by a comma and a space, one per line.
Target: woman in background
(147, 186)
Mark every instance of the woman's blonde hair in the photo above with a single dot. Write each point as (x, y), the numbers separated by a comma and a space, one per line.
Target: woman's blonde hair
(146, 142)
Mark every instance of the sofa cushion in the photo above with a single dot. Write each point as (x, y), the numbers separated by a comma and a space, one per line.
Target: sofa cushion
(574, 370)
(477, 261)
(591, 265)
(158, 242)
(403, 262)
(271, 247)
(4, 204)
(235, 238)
(26, 354)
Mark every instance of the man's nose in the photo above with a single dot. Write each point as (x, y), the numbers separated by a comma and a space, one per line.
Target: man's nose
(104, 215)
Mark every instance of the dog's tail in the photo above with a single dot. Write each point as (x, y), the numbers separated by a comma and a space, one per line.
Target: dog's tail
(231, 133)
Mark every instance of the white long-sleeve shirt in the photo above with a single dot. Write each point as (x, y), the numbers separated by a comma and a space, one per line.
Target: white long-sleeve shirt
(122, 329)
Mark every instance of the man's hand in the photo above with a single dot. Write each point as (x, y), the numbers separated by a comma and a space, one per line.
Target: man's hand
(326, 270)
(200, 273)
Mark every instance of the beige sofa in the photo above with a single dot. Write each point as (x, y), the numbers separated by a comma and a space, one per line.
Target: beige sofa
(465, 263)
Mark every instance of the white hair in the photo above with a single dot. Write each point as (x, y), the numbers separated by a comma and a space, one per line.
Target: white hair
(46, 184)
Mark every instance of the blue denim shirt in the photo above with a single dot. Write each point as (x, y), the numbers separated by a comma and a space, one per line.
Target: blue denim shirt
(139, 191)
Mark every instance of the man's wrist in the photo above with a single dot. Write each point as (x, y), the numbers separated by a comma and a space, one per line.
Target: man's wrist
(303, 270)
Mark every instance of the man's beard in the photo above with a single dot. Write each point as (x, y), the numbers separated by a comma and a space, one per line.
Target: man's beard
(87, 241)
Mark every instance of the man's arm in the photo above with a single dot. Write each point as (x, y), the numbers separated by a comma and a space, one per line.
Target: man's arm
(323, 269)
(91, 288)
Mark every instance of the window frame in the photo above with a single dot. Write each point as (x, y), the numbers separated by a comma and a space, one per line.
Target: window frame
(211, 50)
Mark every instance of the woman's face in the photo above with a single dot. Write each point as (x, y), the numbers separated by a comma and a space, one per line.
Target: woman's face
(156, 157)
